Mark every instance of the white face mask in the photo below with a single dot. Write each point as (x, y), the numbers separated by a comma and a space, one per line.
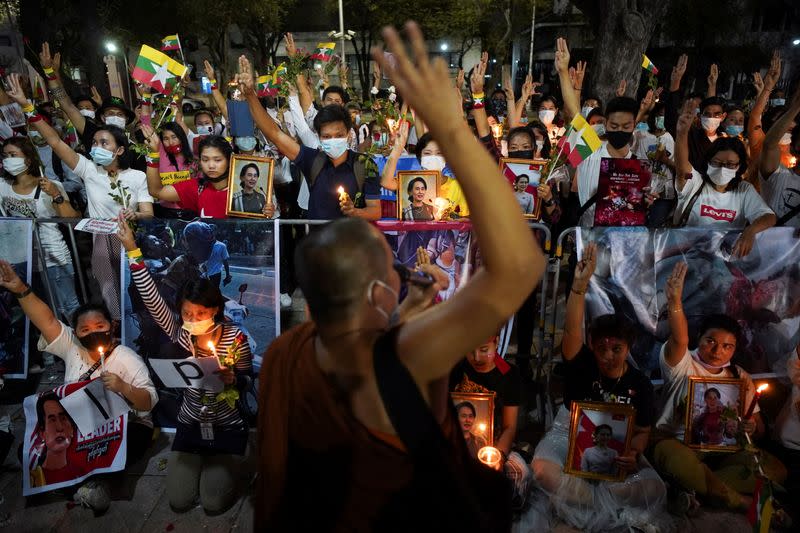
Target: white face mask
(15, 165)
(546, 116)
(204, 130)
(198, 328)
(115, 121)
(599, 129)
(586, 110)
(432, 162)
(88, 113)
(710, 123)
(393, 317)
(786, 138)
(720, 175)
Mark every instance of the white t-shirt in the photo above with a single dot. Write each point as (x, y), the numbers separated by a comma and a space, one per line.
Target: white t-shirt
(588, 175)
(56, 252)
(123, 362)
(644, 142)
(714, 209)
(672, 420)
(98, 188)
(781, 191)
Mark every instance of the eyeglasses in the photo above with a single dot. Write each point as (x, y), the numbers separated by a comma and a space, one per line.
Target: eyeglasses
(717, 164)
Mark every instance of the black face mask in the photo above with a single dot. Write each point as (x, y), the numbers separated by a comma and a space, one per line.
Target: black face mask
(521, 154)
(93, 341)
(499, 107)
(618, 139)
(216, 180)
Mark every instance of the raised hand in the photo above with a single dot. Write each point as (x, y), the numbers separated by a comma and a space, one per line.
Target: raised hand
(151, 138)
(401, 137)
(562, 56)
(460, 79)
(291, 49)
(508, 87)
(713, 75)
(686, 118)
(9, 278)
(774, 72)
(245, 76)
(15, 89)
(585, 268)
(677, 72)
(580, 72)
(45, 58)
(422, 257)
(476, 80)
(97, 97)
(674, 288)
(648, 102)
(622, 87)
(209, 70)
(125, 234)
(758, 83)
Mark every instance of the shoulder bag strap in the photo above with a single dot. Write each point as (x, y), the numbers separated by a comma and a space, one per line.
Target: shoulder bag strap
(788, 216)
(687, 211)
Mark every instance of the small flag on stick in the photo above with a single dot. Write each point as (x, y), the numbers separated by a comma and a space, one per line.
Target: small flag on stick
(269, 84)
(324, 52)
(579, 141)
(157, 70)
(761, 510)
(170, 42)
(648, 65)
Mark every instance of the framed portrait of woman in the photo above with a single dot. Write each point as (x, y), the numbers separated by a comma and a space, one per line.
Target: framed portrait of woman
(524, 176)
(713, 411)
(475, 412)
(416, 192)
(599, 433)
(249, 186)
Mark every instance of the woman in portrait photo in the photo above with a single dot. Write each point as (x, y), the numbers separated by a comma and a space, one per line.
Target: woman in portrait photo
(600, 459)
(251, 198)
(524, 198)
(417, 209)
(466, 420)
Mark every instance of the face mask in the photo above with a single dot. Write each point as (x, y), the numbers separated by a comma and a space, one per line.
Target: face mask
(198, 328)
(115, 121)
(15, 165)
(500, 107)
(696, 110)
(334, 147)
(720, 175)
(204, 130)
(586, 110)
(391, 318)
(88, 113)
(706, 365)
(659, 123)
(642, 126)
(618, 139)
(246, 144)
(521, 154)
(710, 123)
(786, 138)
(539, 146)
(95, 340)
(175, 149)
(358, 120)
(775, 102)
(101, 156)
(734, 130)
(432, 162)
(546, 116)
(599, 129)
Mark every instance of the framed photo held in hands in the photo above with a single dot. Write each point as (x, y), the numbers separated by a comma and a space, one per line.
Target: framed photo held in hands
(249, 186)
(475, 412)
(416, 192)
(524, 176)
(713, 409)
(599, 433)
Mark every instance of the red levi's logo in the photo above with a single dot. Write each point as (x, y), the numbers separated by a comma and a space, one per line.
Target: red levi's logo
(717, 214)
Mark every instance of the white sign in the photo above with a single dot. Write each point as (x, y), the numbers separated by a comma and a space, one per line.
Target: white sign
(194, 373)
(93, 407)
(96, 225)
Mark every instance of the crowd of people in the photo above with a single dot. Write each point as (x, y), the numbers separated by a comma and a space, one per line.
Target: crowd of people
(354, 410)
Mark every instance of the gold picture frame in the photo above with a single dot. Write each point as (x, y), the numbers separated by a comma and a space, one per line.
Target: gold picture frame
(712, 420)
(604, 430)
(432, 179)
(510, 168)
(479, 429)
(239, 169)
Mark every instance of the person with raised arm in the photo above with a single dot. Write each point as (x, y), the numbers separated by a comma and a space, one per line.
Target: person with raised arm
(326, 418)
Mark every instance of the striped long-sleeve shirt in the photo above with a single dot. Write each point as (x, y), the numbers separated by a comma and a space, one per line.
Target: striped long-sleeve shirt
(191, 410)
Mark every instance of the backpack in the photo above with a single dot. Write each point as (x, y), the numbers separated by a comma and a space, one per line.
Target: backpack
(359, 169)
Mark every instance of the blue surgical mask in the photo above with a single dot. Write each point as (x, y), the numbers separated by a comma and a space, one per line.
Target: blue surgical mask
(246, 144)
(101, 156)
(599, 129)
(775, 102)
(642, 126)
(204, 130)
(734, 130)
(660, 122)
(334, 147)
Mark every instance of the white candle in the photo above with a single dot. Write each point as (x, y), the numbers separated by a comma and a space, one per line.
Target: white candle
(102, 358)
(490, 456)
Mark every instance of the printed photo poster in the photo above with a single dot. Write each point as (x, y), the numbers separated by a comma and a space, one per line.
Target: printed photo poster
(56, 454)
(712, 420)
(621, 192)
(16, 247)
(524, 176)
(249, 186)
(599, 433)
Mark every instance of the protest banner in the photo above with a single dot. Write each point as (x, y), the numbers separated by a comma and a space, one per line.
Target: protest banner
(197, 373)
(621, 192)
(55, 452)
(98, 226)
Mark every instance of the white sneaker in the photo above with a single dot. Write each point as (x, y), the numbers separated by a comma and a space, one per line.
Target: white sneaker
(94, 495)
(286, 301)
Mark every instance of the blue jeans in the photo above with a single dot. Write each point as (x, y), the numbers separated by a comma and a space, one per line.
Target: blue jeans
(62, 280)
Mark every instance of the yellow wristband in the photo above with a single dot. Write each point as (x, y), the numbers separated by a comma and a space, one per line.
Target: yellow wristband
(133, 254)
(49, 71)
(28, 108)
(212, 82)
(480, 96)
(154, 155)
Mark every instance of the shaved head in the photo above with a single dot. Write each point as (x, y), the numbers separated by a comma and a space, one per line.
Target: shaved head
(335, 264)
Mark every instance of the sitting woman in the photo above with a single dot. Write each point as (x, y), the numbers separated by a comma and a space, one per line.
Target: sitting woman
(717, 197)
(124, 371)
(417, 209)
(211, 437)
(250, 198)
(721, 479)
(600, 372)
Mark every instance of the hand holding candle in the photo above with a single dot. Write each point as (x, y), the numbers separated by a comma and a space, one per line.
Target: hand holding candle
(343, 196)
(491, 457)
(761, 388)
(212, 349)
(102, 359)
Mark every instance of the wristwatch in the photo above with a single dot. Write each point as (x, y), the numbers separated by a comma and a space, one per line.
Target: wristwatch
(548, 203)
(58, 200)
(23, 294)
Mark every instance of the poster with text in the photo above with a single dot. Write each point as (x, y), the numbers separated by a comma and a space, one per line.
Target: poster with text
(55, 453)
(16, 238)
(621, 192)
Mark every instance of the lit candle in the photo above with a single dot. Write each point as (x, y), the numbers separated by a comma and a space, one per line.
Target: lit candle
(792, 161)
(482, 428)
(497, 130)
(441, 208)
(761, 388)
(490, 456)
(212, 348)
(343, 196)
(102, 358)
(392, 123)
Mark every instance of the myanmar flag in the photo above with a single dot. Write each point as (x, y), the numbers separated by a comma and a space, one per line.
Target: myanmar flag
(324, 52)
(268, 85)
(157, 70)
(760, 513)
(579, 141)
(170, 42)
(648, 65)
(262, 86)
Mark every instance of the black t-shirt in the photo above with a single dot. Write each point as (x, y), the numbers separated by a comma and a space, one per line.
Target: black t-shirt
(507, 386)
(583, 382)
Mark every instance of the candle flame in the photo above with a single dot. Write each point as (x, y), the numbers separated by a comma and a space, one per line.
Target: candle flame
(761, 388)
(792, 161)
(210, 345)
(340, 190)
(489, 455)
(497, 130)
(100, 349)
(481, 427)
